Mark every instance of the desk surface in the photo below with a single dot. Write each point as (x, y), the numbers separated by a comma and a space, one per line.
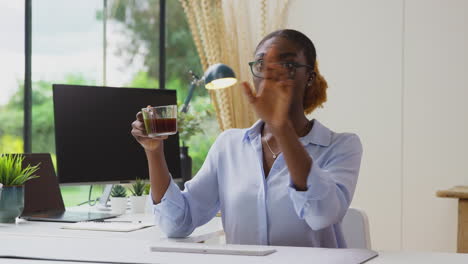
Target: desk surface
(152, 234)
(137, 251)
(43, 238)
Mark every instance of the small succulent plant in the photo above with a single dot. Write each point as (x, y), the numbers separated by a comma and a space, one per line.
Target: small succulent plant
(147, 189)
(138, 188)
(118, 191)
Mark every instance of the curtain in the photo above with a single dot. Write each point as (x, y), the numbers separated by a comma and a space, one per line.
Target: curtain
(227, 31)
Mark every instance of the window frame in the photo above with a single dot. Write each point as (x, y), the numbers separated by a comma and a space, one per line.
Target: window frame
(27, 126)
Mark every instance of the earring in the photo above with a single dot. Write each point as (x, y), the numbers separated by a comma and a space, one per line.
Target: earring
(309, 83)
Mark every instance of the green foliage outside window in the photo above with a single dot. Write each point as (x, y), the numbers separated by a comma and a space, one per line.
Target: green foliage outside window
(43, 135)
(11, 144)
(140, 23)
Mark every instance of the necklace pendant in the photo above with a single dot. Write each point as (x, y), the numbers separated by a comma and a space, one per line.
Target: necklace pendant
(274, 156)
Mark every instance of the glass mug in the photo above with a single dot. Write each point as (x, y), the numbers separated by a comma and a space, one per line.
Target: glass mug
(160, 120)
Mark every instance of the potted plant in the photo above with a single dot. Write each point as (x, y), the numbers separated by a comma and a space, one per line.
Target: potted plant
(147, 189)
(12, 178)
(138, 199)
(118, 199)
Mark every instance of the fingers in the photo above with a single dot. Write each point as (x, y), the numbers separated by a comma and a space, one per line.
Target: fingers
(282, 73)
(145, 138)
(273, 69)
(138, 125)
(276, 72)
(280, 82)
(142, 137)
(138, 130)
(139, 116)
(138, 133)
(286, 86)
(248, 92)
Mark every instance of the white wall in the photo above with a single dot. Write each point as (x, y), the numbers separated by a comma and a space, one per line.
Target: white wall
(435, 119)
(398, 76)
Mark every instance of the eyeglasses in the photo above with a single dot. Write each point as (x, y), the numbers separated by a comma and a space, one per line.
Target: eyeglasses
(258, 67)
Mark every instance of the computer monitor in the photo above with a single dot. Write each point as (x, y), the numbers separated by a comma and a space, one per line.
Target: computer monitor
(92, 133)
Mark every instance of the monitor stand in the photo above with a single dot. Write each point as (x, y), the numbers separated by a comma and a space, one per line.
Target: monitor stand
(105, 198)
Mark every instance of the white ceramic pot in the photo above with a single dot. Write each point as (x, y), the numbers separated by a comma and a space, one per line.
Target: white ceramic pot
(119, 205)
(138, 204)
(149, 205)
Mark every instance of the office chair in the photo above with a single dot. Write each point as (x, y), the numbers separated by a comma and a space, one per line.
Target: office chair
(355, 226)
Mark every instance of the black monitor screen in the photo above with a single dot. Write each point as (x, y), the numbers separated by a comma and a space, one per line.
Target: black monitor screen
(92, 133)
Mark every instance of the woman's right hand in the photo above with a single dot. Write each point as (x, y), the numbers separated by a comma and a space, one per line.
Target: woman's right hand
(139, 133)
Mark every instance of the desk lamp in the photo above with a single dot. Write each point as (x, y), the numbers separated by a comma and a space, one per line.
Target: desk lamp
(217, 76)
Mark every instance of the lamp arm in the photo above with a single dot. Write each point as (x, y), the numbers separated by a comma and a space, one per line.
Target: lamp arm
(193, 85)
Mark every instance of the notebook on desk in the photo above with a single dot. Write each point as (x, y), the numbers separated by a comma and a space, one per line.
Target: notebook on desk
(106, 226)
(43, 199)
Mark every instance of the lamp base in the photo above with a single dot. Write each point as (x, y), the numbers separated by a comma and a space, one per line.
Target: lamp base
(185, 164)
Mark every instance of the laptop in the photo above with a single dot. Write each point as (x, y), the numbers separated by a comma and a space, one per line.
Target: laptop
(43, 200)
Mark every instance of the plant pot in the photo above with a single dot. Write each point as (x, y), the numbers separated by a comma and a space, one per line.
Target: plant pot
(11, 203)
(138, 204)
(119, 205)
(149, 204)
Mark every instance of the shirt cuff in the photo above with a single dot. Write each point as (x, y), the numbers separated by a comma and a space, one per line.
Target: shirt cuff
(319, 184)
(171, 203)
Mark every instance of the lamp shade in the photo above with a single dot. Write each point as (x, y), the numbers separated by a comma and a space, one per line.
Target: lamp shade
(219, 76)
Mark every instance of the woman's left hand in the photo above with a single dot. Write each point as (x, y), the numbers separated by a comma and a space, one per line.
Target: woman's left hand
(275, 96)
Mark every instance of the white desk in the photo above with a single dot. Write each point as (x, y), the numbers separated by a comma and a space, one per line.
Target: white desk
(137, 251)
(47, 239)
(151, 234)
(397, 257)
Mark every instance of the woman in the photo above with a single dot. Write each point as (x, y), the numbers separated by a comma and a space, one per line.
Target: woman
(284, 181)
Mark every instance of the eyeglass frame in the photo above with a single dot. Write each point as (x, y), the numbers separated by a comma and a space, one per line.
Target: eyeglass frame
(293, 65)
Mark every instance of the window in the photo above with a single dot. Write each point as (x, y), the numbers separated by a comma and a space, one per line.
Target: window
(12, 75)
(67, 47)
(135, 41)
(182, 56)
(89, 42)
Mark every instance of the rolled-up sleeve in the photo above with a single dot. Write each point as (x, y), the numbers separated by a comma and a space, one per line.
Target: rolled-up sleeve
(330, 187)
(180, 212)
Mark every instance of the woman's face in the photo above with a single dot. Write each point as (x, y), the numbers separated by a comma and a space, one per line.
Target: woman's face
(279, 49)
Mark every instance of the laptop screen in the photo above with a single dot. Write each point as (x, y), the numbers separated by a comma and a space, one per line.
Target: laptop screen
(43, 193)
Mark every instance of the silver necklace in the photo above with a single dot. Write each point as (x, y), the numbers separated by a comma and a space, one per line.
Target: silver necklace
(275, 155)
(268, 145)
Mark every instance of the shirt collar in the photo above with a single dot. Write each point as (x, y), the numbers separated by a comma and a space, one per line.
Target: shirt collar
(318, 135)
(253, 131)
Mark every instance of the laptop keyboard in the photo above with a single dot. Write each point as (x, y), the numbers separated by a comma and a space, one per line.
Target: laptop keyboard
(68, 216)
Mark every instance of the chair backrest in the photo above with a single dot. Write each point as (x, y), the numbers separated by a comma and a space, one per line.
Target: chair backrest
(355, 226)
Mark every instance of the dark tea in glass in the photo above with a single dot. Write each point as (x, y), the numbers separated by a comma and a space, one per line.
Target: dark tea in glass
(160, 120)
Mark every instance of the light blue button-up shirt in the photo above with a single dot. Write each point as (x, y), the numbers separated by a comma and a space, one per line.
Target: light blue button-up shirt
(259, 210)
